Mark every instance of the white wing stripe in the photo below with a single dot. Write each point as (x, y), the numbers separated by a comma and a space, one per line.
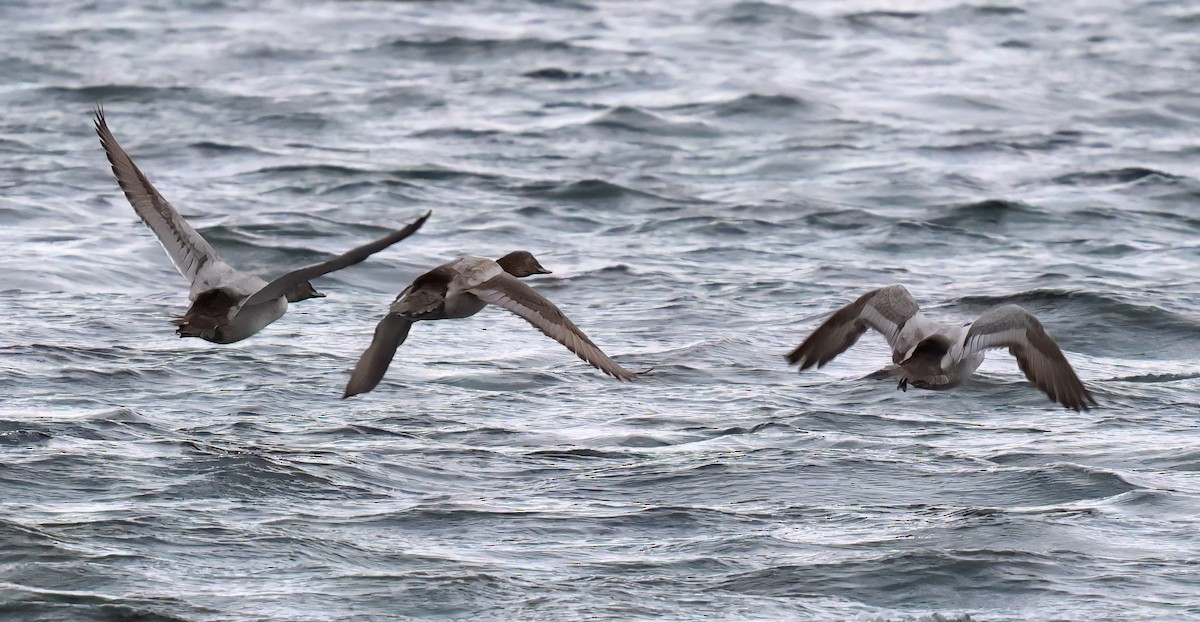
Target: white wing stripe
(999, 339)
(876, 320)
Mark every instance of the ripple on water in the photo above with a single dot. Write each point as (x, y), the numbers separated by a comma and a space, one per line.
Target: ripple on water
(708, 181)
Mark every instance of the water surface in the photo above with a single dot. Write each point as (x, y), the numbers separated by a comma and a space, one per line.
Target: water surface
(707, 180)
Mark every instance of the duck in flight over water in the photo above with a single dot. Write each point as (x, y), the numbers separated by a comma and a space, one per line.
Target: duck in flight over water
(928, 355)
(461, 288)
(227, 305)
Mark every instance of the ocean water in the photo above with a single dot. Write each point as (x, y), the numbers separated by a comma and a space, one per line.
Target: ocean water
(708, 181)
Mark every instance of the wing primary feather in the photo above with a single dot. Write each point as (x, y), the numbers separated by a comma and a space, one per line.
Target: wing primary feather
(280, 285)
(507, 292)
(886, 310)
(375, 360)
(1038, 355)
(188, 250)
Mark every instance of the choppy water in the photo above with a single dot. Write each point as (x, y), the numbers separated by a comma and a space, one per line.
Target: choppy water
(707, 181)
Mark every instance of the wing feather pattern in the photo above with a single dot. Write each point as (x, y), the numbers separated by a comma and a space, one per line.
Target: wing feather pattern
(389, 334)
(280, 285)
(189, 251)
(887, 310)
(507, 292)
(1038, 356)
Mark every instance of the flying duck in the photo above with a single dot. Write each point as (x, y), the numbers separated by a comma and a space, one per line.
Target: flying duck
(461, 288)
(929, 355)
(227, 305)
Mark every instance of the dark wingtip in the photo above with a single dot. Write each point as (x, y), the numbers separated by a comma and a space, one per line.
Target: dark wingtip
(358, 386)
(413, 226)
(638, 374)
(802, 357)
(98, 119)
(1081, 404)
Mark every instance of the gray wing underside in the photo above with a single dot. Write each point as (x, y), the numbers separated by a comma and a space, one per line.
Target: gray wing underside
(280, 285)
(373, 364)
(189, 251)
(1037, 354)
(509, 293)
(891, 311)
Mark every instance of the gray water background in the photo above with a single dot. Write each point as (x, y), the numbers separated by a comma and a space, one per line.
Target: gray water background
(708, 181)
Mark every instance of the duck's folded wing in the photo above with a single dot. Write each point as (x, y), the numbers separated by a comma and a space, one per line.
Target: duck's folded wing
(374, 362)
(507, 292)
(887, 310)
(282, 284)
(192, 255)
(1010, 326)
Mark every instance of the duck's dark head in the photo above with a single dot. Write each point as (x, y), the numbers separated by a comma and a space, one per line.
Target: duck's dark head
(303, 291)
(521, 264)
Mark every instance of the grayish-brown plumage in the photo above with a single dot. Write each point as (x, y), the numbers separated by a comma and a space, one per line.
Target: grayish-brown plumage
(929, 355)
(227, 305)
(461, 288)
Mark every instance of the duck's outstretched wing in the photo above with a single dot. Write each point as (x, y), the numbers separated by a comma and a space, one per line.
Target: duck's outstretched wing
(1010, 326)
(374, 362)
(890, 310)
(189, 251)
(282, 284)
(508, 292)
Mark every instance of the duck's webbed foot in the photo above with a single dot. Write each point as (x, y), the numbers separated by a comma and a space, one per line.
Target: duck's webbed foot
(903, 386)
